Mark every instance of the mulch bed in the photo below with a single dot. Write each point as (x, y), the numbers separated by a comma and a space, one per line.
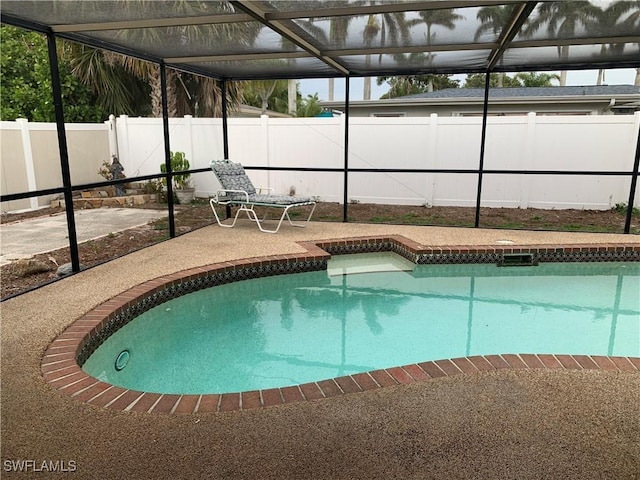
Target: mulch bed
(23, 275)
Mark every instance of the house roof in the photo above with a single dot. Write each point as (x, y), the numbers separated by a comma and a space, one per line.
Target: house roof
(607, 91)
(248, 39)
(626, 96)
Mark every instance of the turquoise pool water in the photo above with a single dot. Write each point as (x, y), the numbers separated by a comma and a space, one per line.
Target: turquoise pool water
(292, 329)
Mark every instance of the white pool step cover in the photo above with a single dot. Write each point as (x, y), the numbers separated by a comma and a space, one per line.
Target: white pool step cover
(368, 262)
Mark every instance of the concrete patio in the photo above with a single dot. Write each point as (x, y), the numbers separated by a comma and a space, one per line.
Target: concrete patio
(524, 424)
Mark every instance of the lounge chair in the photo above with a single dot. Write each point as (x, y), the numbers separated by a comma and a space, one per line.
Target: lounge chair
(237, 190)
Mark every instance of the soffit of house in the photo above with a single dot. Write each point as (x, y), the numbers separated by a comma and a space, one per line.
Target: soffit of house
(247, 39)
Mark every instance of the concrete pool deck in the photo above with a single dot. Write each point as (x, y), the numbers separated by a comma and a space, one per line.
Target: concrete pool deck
(582, 423)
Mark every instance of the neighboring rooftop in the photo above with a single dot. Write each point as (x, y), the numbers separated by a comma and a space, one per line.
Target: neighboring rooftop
(582, 100)
(601, 90)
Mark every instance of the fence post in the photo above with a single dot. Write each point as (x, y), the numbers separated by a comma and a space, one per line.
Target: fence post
(432, 155)
(124, 145)
(527, 160)
(113, 137)
(264, 141)
(28, 160)
(188, 131)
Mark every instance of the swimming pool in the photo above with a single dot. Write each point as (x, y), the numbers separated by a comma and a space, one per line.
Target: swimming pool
(370, 312)
(62, 361)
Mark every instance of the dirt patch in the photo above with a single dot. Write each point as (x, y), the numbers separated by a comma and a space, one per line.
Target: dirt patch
(21, 276)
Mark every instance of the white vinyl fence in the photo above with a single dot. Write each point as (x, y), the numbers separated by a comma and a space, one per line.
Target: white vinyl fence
(31, 159)
(573, 143)
(530, 143)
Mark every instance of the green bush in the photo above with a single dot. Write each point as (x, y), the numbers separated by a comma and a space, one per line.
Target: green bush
(179, 163)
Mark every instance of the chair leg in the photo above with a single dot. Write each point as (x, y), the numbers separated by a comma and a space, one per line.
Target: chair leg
(285, 213)
(300, 225)
(211, 202)
(253, 216)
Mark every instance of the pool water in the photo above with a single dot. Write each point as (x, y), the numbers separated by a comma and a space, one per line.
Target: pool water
(292, 329)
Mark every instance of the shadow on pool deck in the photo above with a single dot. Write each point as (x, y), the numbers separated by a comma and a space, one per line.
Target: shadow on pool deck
(521, 424)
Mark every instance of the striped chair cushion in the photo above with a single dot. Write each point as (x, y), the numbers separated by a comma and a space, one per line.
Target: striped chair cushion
(233, 177)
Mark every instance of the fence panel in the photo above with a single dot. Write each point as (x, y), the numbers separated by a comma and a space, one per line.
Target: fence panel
(574, 143)
(31, 159)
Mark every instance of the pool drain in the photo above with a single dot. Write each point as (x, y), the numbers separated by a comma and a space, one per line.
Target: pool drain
(122, 360)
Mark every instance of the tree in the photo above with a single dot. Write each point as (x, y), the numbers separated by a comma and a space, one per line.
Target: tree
(309, 106)
(499, 80)
(445, 18)
(338, 28)
(276, 93)
(202, 96)
(398, 29)
(493, 19)
(264, 94)
(561, 19)
(117, 91)
(622, 15)
(126, 85)
(186, 93)
(412, 84)
(536, 79)
(25, 82)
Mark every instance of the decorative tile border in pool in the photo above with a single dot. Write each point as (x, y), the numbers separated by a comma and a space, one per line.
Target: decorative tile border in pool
(462, 254)
(62, 361)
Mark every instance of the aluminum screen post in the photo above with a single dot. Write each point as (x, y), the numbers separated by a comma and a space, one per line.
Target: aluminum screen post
(632, 189)
(345, 194)
(64, 151)
(167, 149)
(225, 134)
(485, 110)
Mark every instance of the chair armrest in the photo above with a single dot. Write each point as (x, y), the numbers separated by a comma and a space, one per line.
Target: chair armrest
(268, 190)
(224, 193)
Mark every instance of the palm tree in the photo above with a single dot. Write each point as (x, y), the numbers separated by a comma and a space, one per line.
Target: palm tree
(477, 80)
(403, 85)
(117, 90)
(338, 28)
(625, 15)
(445, 18)
(99, 70)
(393, 24)
(310, 106)
(562, 19)
(370, 32)
(535, 79)
(129, 86)
(493, 19)
(203, 94)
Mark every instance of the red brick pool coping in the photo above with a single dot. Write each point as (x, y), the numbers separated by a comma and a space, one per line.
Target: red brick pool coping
(61, 370)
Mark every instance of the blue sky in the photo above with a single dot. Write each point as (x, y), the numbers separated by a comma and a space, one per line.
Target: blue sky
(623, 76)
